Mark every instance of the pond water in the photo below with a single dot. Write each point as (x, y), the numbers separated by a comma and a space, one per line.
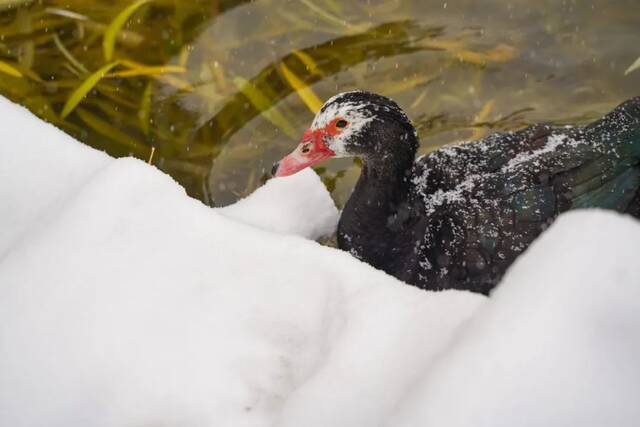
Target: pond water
(213, 92)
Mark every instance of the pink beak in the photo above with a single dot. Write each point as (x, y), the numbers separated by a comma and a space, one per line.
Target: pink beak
(310, 151)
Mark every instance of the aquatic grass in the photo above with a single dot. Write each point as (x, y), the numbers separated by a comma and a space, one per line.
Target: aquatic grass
(9, 69)
(77, 65)
(308, 62)
(179, 84)
(264, 105)
(459, 48)
(407, 83)
(633, 67)
(144, 114)
(478, 121)
(147, 70)
(112, 132)
(385, 40)
(501, 53)
(150, 159)
(110, 33)
(307, 94)
(66, 13)
(55, 36)
(331, 19)
(81, 92)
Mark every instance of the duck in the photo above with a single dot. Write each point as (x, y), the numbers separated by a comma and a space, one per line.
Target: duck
(458, 217)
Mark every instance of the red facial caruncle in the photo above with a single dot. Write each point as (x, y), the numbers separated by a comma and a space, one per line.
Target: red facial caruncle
(311, 150)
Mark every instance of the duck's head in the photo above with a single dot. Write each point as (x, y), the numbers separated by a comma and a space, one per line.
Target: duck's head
(352, 124)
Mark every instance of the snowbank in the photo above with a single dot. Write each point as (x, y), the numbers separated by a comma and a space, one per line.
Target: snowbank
(300, 206)
(123, 302)
(558, 343)
(41, 168)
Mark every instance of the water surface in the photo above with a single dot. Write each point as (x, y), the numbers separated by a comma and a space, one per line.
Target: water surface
(227, 102)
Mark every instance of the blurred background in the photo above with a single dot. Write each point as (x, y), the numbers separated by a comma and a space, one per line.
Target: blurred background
(214, 91)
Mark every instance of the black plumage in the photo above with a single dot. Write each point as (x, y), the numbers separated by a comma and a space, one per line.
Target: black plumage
(459, 216)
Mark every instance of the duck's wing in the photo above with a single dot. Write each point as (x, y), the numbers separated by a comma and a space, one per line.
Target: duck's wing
(533, 150)
(451, 165)
(597, 166)
(497, 197)
(610, 175)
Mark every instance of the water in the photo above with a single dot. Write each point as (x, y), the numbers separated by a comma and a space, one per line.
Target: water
(228, 107)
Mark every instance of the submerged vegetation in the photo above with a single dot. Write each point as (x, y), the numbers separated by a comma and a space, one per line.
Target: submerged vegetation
(213, 91)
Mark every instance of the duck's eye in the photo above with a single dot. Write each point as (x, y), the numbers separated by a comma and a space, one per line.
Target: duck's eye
(341, 123)
(305, 148)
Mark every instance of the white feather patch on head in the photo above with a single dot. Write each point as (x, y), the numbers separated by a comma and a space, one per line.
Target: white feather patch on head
(352, 112)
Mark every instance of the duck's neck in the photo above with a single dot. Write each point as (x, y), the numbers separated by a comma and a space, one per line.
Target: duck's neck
(383, 183)
(375, 208)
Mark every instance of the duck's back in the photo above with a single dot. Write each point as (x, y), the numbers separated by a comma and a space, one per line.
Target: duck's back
(481, 204)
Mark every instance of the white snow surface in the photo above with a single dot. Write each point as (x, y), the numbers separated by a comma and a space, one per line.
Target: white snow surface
(558, 342)
(300, 206)
(125, 303)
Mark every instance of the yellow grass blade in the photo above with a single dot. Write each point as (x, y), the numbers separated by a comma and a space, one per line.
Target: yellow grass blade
(500, 53)
(9, 69)
(144, 115)
(185, 52)
(440, 44)
(262, 103)
(307, 95)
(635, 66)
(406, 84)
(150, 159)
(72, 60)
(481, 117)
(419, 99)
(148, 71)
(175, 82)
(328, 17)
(484, 112)
(107, 129)
(81, 92)
(109, 39)
(66, 13)
(307, 60)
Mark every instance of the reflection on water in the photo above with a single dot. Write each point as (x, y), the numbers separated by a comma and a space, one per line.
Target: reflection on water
(221, 89)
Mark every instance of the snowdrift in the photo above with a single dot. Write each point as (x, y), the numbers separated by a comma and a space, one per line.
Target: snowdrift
(125, 303)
